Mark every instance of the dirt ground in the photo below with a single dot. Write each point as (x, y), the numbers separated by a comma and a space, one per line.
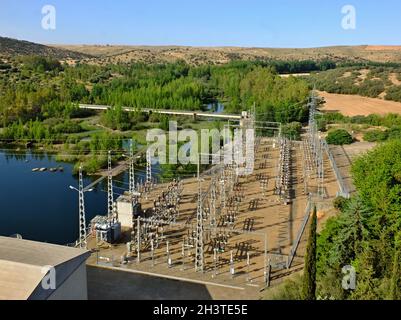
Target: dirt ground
(353, 105)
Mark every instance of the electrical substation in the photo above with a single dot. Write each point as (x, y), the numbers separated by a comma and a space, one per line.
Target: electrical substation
(232, 225)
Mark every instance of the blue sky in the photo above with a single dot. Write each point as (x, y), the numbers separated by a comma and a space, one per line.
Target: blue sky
(258, 23)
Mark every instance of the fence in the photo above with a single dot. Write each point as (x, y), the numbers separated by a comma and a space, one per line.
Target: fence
(300, 233)
(344, 192)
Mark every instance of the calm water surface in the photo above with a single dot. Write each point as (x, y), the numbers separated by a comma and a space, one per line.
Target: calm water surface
(39, 205)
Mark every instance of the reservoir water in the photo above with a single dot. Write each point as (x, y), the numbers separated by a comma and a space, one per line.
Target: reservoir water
(40, 205)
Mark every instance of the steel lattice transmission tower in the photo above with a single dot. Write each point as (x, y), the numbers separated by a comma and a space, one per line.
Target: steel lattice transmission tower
(316, 146)
(131, 171)
(199, 257)
(213, 198)
(148, 169)
(110, 196)
(82, 219)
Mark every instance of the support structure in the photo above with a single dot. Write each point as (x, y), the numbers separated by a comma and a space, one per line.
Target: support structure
(199, 256)
(213, 198)
(148, 169)
(316, 146)
(110, 195)
(82, 219)
(131, 171)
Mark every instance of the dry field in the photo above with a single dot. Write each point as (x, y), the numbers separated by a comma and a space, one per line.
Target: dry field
(353, 105)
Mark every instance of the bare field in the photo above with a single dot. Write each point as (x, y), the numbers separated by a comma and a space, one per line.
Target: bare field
(353, 105)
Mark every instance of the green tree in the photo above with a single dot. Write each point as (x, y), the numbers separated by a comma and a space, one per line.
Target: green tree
(339, 137)
(309, 279)
(395, 286)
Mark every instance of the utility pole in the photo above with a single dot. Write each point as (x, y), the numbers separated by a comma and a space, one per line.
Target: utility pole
(199, 258)
(82, 242)
(82, 218)
(131, 171)
(148, 168)
(213, 203)
(316, 146)
(110, 196)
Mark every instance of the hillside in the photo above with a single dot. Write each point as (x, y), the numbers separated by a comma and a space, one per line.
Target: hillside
(382, 82)
(12, 47)
(219, 55)
(104, 54)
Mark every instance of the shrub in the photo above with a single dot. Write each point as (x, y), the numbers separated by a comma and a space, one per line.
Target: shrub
(394, 132)
(322, 125)
(340, 203)
(339, 137)
(375, 136)
(290, 289)
(292, 130)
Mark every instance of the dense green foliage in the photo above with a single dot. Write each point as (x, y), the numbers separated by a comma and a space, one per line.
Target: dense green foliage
(39, 100)
(40, 64)
(395, 287)
(389, 120)
(117, 119)
(309, 277)
(339, 137)
(40, 88)
(366, 232)
(292, 130)
(290, 289)
(375, 136)
(369, 80)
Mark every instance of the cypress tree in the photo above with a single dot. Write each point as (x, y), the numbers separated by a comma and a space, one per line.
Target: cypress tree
(309, 279)
(395, 288)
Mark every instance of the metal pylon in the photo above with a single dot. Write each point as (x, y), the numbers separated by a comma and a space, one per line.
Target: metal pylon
(223, 188)
(148, 168)
(110, 196)
(199, 257)
(131, 171)
(82, 218)
(316, 148)
(213, 198)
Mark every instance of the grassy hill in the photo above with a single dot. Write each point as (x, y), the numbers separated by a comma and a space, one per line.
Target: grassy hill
(12, 47)
(104, 54)
(220, 55)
